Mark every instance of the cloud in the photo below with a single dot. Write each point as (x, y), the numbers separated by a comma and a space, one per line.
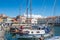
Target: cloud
(34, 16)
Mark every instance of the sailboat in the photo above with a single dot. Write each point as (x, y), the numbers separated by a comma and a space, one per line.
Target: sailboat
(34, 31)
(31, 31)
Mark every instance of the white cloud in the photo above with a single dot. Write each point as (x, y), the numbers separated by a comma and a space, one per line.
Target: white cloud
(34, 16)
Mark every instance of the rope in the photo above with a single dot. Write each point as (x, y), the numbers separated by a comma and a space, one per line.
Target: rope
(42, 6)
(20, 8)
(53, 8)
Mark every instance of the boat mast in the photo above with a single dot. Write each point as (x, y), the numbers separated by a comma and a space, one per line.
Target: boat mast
(20, 12)
(30, 11)
(27, 11)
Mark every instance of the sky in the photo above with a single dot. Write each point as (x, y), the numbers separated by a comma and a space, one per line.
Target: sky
(39, 7)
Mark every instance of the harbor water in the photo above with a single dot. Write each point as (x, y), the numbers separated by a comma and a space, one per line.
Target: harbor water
(56, 33)
(57, 30)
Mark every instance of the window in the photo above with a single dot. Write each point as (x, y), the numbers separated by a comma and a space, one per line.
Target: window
(32, 32)
(38, 32)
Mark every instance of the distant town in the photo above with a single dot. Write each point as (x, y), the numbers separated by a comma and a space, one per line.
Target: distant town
(23, 19)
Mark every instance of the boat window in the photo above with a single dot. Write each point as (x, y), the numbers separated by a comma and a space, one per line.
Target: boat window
(38, 32)
(39, 28)
(35, 27)
(32, 32)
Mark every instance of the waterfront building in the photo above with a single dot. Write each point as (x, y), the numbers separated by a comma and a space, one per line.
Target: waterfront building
(57, 20)
(51, 19)
(1, 20)
(7, 21)
(3, 15)
(34, 21)
(41, 21)
(21, 19)
(54, 20)
(14, 21)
